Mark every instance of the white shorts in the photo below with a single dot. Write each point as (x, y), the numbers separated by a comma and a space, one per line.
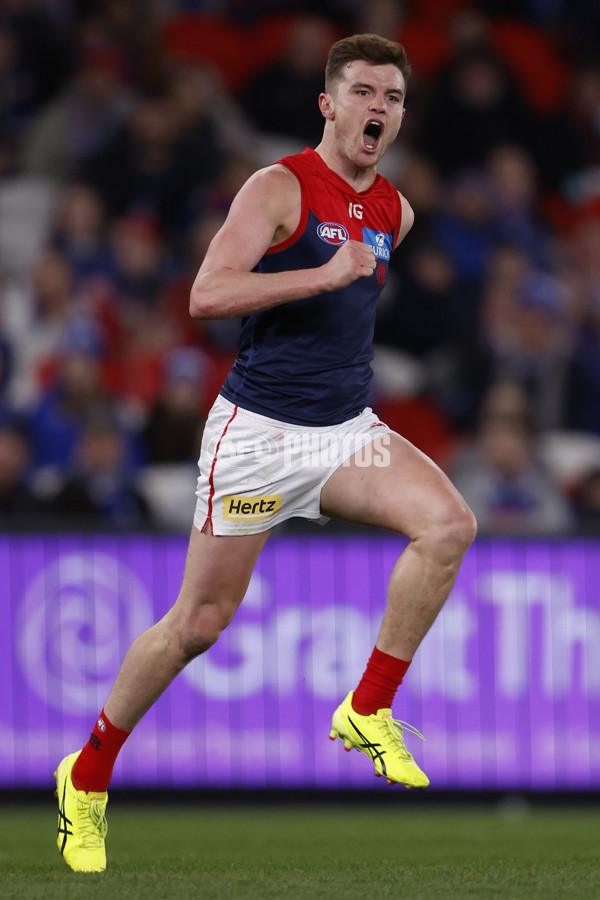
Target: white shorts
(256, 472)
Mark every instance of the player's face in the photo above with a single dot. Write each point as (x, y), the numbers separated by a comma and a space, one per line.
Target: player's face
(366, 108)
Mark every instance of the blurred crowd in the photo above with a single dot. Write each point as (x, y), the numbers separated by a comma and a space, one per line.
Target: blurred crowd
(126, 128)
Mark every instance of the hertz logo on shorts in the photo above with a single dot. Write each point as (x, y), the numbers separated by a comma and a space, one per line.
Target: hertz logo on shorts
(244, 508)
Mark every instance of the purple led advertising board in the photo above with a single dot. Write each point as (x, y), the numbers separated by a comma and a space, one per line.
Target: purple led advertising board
(506, 686)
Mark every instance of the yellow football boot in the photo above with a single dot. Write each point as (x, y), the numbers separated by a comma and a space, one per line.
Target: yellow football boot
(81, 822)
(380, 737)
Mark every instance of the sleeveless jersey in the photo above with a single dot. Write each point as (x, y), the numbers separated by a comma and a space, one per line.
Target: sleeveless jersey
(308, 362)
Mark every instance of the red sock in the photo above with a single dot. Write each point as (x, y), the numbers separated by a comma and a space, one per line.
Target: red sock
(94, 765)
(379, 683)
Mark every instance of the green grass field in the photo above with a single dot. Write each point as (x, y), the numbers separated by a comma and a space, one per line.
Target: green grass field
(403, 850)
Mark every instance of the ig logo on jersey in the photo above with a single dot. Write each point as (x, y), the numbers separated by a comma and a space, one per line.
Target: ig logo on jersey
(332, 233)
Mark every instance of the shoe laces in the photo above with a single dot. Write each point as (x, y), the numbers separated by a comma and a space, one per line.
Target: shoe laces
(92, 823)
(396, 729)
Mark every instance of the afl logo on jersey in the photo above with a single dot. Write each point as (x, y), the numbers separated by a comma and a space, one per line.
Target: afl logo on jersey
(332, 233)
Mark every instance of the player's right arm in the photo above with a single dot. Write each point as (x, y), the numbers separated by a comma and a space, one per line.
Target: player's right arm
(264, 213)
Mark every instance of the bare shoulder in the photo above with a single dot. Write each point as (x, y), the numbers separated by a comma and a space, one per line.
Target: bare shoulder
(408, 218)
(278, 175)
(265, 211)
(273, 194)
(274, 187)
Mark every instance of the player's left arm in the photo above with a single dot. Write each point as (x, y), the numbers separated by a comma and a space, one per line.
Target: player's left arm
(408, 218)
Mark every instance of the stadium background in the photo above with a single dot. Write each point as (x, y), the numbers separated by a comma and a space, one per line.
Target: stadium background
(125, 130)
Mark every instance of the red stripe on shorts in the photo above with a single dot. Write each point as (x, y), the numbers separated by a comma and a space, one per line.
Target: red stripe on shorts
(212, 472)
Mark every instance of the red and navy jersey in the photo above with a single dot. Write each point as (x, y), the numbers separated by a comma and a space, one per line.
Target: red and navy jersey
(309, 361)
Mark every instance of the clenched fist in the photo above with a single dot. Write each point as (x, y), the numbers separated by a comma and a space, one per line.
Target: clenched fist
(352, 261)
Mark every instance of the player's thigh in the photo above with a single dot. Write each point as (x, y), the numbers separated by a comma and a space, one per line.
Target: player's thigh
(218, 569)
(400, 488)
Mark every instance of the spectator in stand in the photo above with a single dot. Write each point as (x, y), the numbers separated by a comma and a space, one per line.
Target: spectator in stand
(77, 393)
(174, 428)
(501, 474)
(466, 227)
(97, 489)
(384, 17)
(515, 191)
(35, 59)
(163, 153)
(140, 264)
(280, 100)
(571, 138)
(79, 234)
(508, 402)
(131, 170)
(147, 326)
(419, 317)
(428, 318)
(35, 318)
(14, 110)
(80, 121)
(19, 506)
(193, 96)
(583, 109)
(577, 22)
(129, 29)
(528, 335)
(418, 177)
(475, 105)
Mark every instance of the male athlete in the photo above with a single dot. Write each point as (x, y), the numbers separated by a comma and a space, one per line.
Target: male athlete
(302, 257)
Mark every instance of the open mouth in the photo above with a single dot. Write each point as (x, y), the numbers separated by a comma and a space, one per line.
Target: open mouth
(372, 134)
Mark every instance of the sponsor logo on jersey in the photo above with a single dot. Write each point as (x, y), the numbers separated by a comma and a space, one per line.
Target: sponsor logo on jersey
(380, 241)
(332, 233)
(243, 508)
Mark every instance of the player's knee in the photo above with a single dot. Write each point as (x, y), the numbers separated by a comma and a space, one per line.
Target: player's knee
(455, 528)
(203, 629)
(449, 530)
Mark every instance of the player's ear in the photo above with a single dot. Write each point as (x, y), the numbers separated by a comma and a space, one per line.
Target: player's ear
(326, 105)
